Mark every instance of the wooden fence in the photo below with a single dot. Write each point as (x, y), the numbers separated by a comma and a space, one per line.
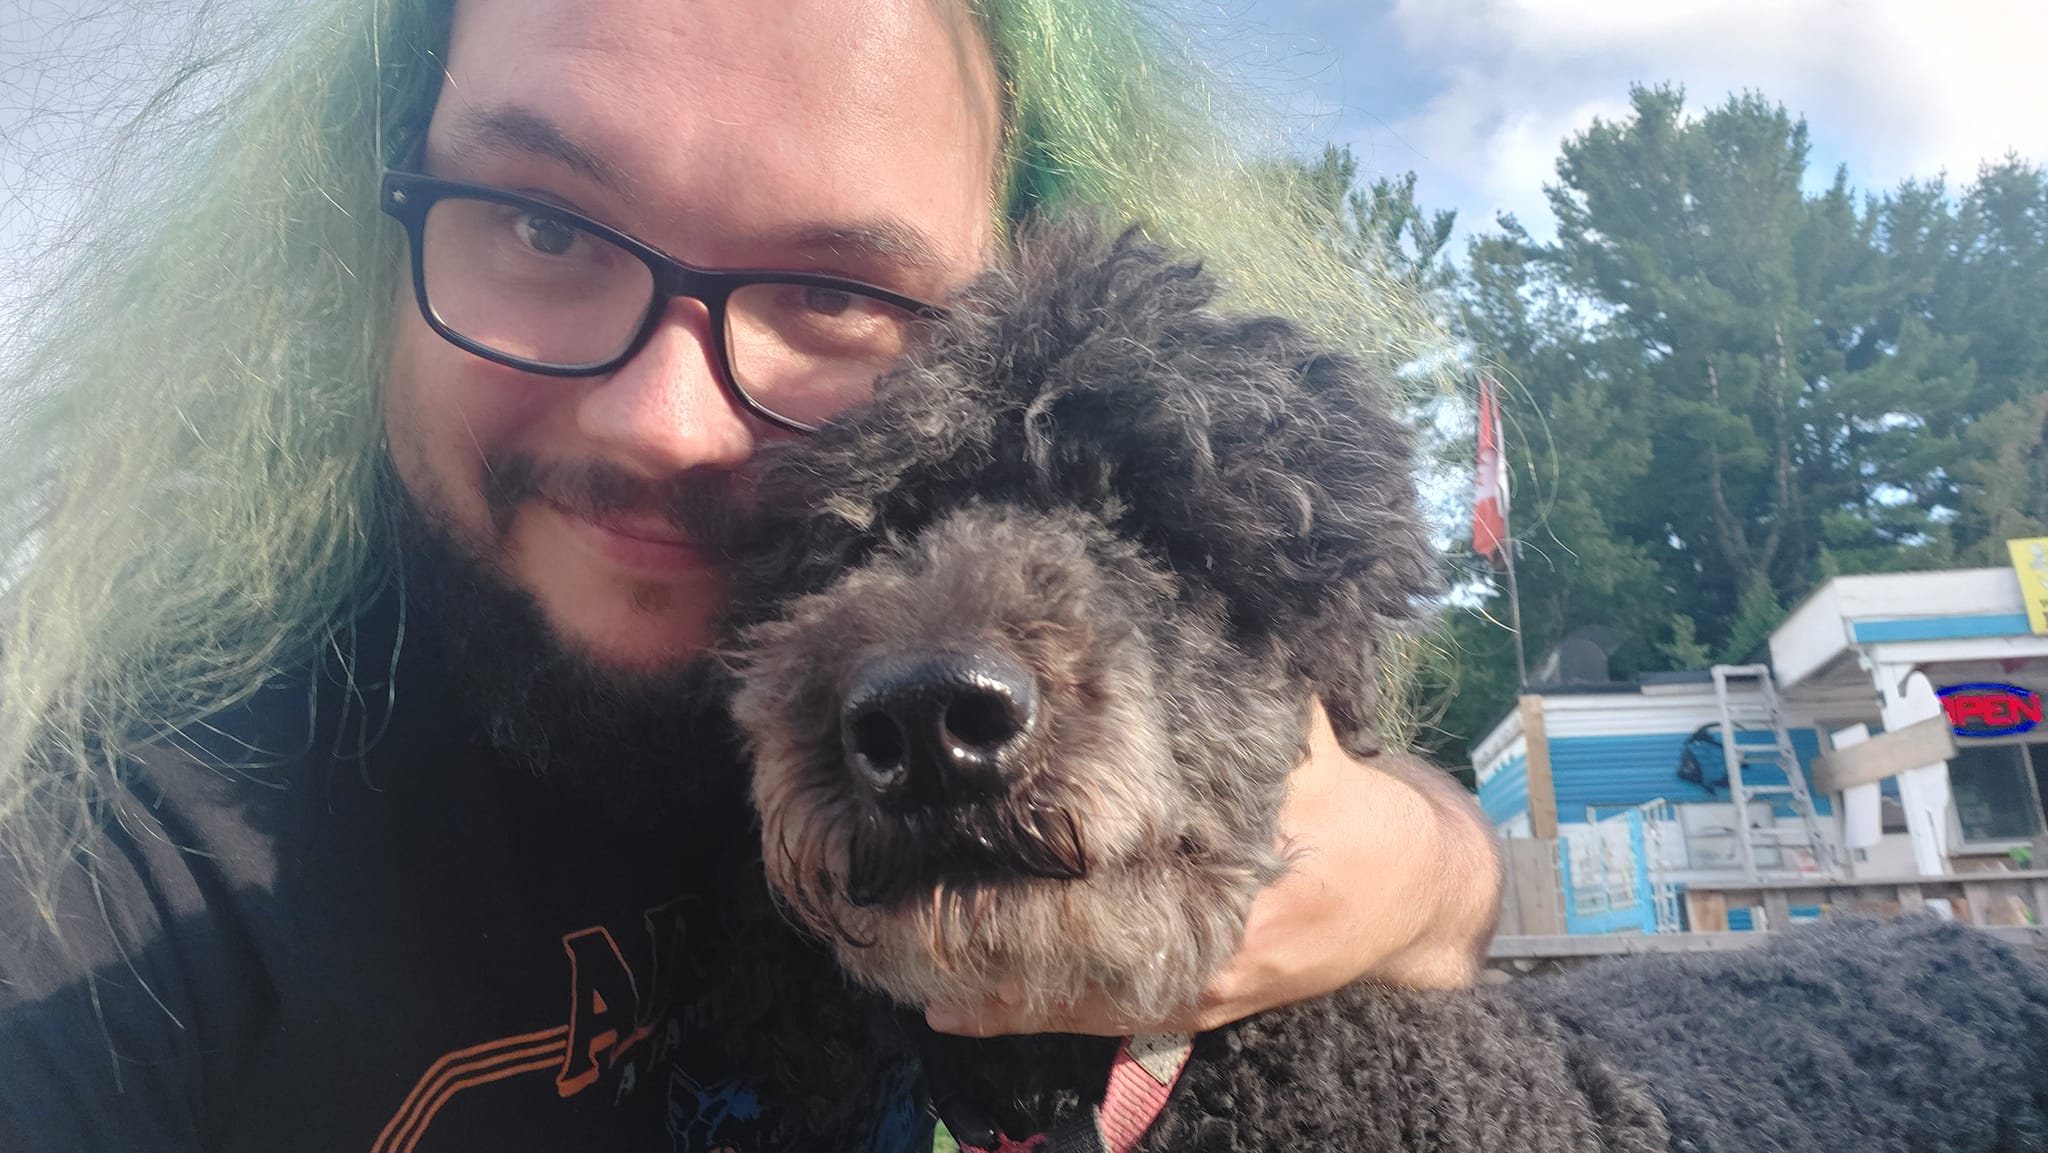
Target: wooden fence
(2009, 905)
(2003, 900)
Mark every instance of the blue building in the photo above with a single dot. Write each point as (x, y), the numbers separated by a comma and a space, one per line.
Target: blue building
(1603, 768)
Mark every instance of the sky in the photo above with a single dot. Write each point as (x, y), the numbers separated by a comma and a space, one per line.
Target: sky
(1475, 96)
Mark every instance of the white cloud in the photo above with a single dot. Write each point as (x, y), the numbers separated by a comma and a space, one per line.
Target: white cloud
(1896, 88)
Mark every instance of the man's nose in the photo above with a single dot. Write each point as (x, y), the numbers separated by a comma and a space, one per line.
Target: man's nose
(666, 410)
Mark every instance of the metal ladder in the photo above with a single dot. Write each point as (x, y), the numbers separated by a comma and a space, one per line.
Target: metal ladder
(1764, 714)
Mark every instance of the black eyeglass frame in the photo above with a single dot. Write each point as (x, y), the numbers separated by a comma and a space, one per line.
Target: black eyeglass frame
(408, 196)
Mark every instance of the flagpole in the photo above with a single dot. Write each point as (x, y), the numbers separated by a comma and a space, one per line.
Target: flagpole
(1515, 607)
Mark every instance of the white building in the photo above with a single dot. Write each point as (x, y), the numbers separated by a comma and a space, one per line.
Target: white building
(1597, 766)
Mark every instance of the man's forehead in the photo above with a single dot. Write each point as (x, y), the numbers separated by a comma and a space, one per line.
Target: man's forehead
(473, 134)
(829, 53)
(867, 121)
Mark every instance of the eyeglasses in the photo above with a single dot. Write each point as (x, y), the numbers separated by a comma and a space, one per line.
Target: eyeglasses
(532, 285)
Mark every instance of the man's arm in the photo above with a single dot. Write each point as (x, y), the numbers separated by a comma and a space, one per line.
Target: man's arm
(1394, 877)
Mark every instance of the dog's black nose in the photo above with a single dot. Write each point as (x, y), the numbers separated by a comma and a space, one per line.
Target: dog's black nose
(931, 728)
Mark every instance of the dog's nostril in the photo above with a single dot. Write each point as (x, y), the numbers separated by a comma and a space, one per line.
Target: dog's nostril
(983, 719)
(879, 738)
(927, 728)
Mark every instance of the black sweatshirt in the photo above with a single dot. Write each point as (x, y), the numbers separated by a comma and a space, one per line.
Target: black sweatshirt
(412, 949)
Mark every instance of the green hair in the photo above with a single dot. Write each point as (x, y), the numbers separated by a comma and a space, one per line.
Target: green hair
(189, 499)
(1106, 108)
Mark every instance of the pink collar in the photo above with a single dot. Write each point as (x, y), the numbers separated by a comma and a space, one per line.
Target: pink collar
(1140, 1081)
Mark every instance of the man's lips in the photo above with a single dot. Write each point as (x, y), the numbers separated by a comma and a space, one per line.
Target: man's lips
(653, 530)
(640, 543)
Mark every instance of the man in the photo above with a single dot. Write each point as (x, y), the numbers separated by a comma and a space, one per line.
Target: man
(347, 796)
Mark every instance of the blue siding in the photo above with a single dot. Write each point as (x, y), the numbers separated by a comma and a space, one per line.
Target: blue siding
(1623, 771)
(1744, 920)
(1943, 628)
(1505, 795)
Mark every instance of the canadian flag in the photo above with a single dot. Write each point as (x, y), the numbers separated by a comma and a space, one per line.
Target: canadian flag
(1490, 505)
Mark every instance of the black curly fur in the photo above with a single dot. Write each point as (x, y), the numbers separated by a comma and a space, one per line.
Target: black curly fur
(1234, 503)
(1853, 1036)
(1858, 1035)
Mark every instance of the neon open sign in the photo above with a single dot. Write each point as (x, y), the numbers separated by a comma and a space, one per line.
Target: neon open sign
(1991, 710)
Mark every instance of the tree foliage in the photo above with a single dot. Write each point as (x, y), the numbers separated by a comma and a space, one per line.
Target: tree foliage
(1727, 381)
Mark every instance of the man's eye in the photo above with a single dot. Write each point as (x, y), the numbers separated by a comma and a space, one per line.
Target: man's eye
(548, 235)
(827, 301)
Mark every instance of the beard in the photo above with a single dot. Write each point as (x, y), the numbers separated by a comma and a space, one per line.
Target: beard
(637, 744)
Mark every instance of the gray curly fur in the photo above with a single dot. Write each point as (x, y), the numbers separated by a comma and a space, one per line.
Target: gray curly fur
(1095, 375)
(1186, 525)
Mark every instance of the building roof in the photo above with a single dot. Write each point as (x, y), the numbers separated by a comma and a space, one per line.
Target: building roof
(1916, 618)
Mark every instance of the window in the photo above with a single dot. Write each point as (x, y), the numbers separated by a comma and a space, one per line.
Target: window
(1998, 791)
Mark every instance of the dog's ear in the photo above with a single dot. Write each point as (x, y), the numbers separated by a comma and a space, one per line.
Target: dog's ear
(1260, 461)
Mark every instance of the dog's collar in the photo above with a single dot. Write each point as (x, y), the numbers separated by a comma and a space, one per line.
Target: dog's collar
(1141, 1078)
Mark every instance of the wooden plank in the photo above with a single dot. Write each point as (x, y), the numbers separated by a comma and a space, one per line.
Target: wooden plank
(2040, 892)
(1885, 755)
(1617, 944)
(1508, 921)
(1736, 886)
(1533, 885)
(1777, 910)
(1706, 911)
(2008, 907)
(1847, 899)
(1911, 900)
(1542, 790)
(1590, 945)
(1978, 895)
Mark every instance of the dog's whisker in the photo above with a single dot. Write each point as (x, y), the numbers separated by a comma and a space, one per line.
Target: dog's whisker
(1074, 845)
(941, 945)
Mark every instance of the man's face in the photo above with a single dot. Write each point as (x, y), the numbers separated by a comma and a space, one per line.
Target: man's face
(849, 137)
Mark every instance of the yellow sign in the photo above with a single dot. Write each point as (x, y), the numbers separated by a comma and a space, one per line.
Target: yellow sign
(2030, 563)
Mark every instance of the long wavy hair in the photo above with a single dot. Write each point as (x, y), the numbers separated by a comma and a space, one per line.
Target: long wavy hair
(189, 492)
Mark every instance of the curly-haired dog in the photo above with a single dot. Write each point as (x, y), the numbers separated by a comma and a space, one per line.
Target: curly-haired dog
(1034, 638)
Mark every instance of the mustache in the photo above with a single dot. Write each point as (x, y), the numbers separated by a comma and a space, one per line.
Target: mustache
(892, 856)
(712, 507)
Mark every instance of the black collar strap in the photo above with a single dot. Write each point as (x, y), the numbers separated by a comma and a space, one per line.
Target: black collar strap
(1141, 1079)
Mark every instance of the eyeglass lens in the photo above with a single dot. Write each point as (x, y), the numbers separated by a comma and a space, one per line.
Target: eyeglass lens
(538, 288)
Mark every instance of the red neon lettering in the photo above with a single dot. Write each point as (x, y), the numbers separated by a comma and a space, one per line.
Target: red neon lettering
(1992, 710)
(1964, 709)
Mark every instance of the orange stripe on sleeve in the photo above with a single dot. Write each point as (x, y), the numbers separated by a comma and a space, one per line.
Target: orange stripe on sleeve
(456, 1064)
(546, 1062)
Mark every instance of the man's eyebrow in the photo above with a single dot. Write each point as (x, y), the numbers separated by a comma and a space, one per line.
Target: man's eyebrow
(511, 128)
(884, 240)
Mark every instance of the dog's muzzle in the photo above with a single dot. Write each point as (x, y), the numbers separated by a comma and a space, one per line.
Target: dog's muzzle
(930, 729)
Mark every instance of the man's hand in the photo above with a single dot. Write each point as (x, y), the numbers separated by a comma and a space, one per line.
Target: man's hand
(1392, 877)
